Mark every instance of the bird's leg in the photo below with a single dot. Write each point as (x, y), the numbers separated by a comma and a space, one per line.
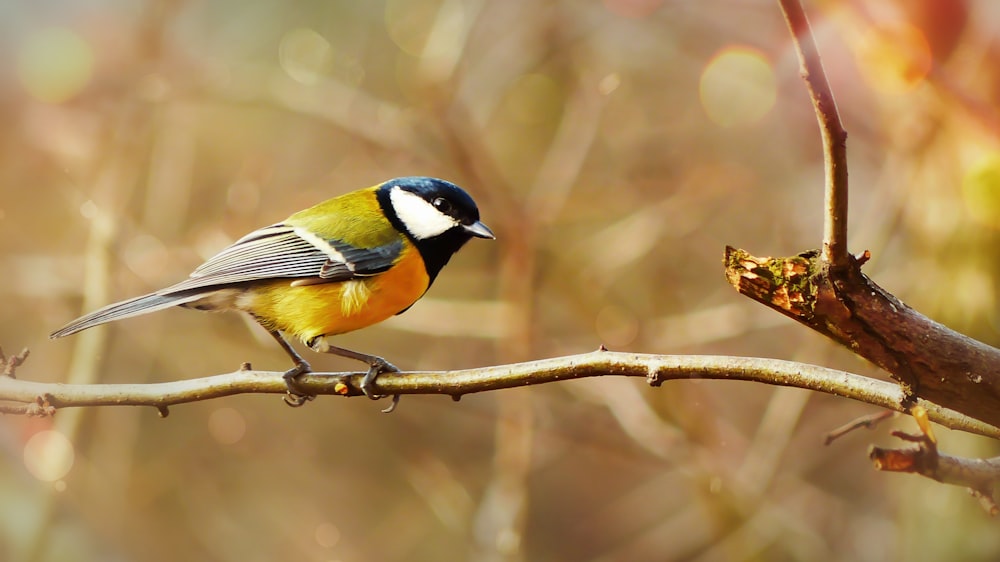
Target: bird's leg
(376, 366)
(296, 395)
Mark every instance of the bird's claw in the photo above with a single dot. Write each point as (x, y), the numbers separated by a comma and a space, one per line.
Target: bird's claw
(376, 367)
(296, 396)
(297, 400)
(392, 407)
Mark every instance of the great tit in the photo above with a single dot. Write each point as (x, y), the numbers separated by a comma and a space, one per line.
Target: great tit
(344, 264)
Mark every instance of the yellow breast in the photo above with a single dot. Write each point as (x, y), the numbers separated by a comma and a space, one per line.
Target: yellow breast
(327, 309)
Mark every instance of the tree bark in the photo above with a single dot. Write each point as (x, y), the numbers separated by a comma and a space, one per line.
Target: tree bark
(928, 359)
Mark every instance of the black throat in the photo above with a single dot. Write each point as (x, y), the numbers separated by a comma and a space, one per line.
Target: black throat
(435, 251)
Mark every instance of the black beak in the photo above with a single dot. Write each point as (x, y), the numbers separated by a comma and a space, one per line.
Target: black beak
(479, 230)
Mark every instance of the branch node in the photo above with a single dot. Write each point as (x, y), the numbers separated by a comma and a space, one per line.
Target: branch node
(40, 410)
(46, 400)
(862, 258)
(162, 410)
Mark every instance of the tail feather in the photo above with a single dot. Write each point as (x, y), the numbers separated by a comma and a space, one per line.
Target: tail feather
(125, 309)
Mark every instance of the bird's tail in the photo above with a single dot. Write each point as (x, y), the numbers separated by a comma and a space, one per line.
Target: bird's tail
(125, 309)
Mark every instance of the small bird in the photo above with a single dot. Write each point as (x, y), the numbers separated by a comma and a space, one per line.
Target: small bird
(339, 266)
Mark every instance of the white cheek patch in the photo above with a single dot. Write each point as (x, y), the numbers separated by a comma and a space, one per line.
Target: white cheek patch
(420, 217)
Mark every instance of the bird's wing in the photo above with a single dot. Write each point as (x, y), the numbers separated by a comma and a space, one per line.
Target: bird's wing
(284, 251)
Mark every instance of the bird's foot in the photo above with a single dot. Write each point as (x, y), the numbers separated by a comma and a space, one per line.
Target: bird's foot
(377, 366)
(296, 395)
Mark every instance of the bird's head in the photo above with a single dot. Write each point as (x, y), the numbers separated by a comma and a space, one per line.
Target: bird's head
(437, 215)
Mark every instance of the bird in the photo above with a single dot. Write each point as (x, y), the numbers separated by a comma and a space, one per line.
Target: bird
(341, 265)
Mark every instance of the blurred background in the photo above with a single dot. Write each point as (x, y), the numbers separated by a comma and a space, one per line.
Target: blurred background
(614, 146)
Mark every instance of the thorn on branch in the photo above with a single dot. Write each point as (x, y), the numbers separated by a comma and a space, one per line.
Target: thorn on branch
(162, 410)
(863, 257)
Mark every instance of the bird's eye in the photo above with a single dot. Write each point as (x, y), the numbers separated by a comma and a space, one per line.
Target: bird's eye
(442, 205)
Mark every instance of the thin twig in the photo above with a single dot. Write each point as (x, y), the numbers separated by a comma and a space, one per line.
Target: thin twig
(869, 421)
(9, 365)
(655, 368)
(980, 476)
(34, 409)
(834, 136)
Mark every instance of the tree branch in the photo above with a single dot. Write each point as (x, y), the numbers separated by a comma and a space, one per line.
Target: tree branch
(835, 252)
(980, 476)
(930, 360)
(656, 369)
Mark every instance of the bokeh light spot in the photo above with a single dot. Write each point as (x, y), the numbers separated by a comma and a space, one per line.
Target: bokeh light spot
(981, 190)
(738, 87)
(54, 64)
(534, 98)
(89, 210)
(49, 455)
(305, 55)
(894, 58)
(423, 28)
(227, 425)
(327, 534)
(609, 84)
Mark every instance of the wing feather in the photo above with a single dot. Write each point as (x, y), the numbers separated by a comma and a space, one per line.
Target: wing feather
(281, 251)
